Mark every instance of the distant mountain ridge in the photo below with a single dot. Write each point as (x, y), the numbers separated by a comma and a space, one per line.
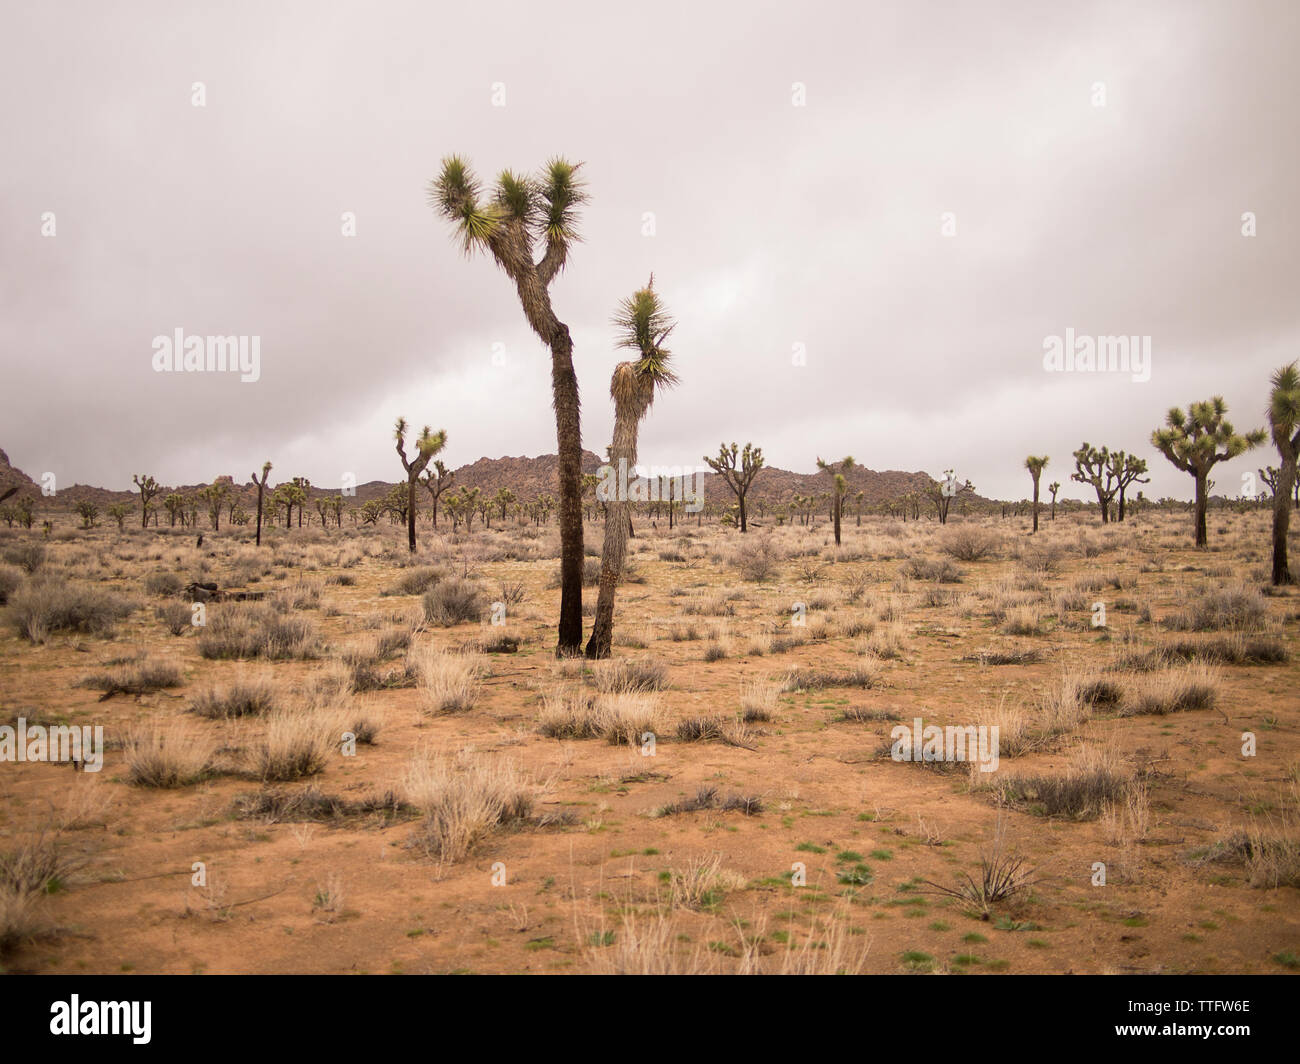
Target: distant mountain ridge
(526, 477)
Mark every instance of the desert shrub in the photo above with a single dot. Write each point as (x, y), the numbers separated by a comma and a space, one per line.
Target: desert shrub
(418, 580)
(27, 874)
(630, 675)
(163, 583)
(257, 630)
(177, 617)
(448, 683)
(454, 600)
(757, 559)
(1241, 607)
(297, 744)
(11, 578)
(176, 758)
(28, 556)
(135, 678)
(1091, 781)
(799, 679)
(1173, 691)
(940, 570)
(44, 606)
(463, 800)
(243, 697)
(969, 543)
(620, 719)
(758, 701)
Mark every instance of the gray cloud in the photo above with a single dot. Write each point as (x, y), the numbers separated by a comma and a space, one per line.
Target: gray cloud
(775, 225)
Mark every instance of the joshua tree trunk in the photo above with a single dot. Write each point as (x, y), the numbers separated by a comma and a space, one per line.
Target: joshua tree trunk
(743, 526)
(1286, 479)
(1201, 537)
(410, 514)
(631, 399)
(568, 431)
(837, 520)
(1035, 504)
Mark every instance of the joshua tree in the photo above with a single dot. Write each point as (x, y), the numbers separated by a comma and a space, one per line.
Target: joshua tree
(1271, 476)
(437, 485)
(119, 512)
(304, 492)
(148, 489)
(524, 214)
(428, 445)
(1054, 487)
(215, 496)
(1035, 466)
(23, 504)
(1092, 466)
(1128, 469)
(738, 477)
(88, 512)
(289, 495)
(643, 324)
(261, 487)
(1284, 425)
(942, 492)
(503, 498)
(1199, 440)
(837, 471)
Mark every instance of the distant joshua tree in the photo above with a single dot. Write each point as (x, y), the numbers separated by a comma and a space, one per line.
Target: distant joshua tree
(1284, 426)
(302, 495)
(738, 468)
(643, 324)
(837, 471)
(1127, 469)
(502, 499)
(428, 445)
(436, 485)
(148, 489)
(119, 512)
(1271, 475)
(1035, 465)
(942, 492)
(1199, 440)
(289, 495)
(1093, 466)
(88, 512)
(261, 488)
(523, 214)
(1054, 487)
(215, 496)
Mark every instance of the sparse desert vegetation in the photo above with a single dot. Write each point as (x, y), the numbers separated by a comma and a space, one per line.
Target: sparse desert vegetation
(372, 720)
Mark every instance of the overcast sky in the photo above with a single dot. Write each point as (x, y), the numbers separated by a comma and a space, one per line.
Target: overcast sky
(775, 225)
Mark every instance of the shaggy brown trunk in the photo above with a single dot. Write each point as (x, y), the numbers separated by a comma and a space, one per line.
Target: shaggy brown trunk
(630, 403)
(744, 527)
(1201, 538)
(568, 431)
(1282, 519)
(410, 513)
(837, 520)
(260, 487)
(1035, 504)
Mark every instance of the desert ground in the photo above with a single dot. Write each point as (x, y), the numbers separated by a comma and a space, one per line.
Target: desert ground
(719, 796)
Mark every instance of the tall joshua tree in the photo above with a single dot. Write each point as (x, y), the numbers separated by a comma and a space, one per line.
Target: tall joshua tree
(522, 215)
(261, 488)
(643, 325)
(428, 445)
(435, 485)
(738, 468)
(1092, 466)
(1054, 487)
(148, 489)
(1199, 440)
(1035, 465)
(837, 470)
(1128, 469)
(1284, 425)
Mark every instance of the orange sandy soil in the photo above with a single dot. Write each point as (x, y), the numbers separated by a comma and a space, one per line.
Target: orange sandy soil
(130, 905)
